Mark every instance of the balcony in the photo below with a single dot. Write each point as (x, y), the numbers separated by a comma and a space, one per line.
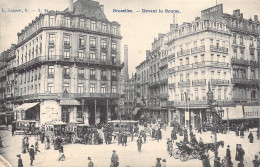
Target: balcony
(243, 81)
(93, 77)
(81, 76)
(183, 53)
(45, 59)
(239, 61)
(114, 78)
(254, 63)
(184, 83)
(199, 82)
(103, 78)
(191, 103)
(184, 67)
(163, 96)
(169, 103)
(171, 57)
(254, 82)
(66, 76)
(198, 49)
(219, 82)
(218, 49)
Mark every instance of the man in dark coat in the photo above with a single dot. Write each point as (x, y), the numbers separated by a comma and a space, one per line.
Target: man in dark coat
(124, 139)
(228, 155)
(90, 163)
(139, 143)
(173, 135)
(205, 159)
(158, 135)
(119, 138)
(256, 161)
(251, 137)
(158, 163)
(20, 161)
(240, 155)
(31, 153)
(114, 160)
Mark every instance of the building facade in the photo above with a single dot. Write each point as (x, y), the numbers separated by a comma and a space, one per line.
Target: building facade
(68, 66)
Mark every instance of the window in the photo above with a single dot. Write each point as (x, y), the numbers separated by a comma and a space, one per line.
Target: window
(66, 87)
(195, 59)
(52, 20)
(252, 74)
(218, 58)
(182, 96)
(195, 44)
(202, 58)
(181, 62)
(187, 60)
(113, 89)
(104, 44)
(211, 41)
(93, 42)
(81, 23)
(51, 39)
(113, 46)
(92, 74)
(81, 54)
(234, 38)
(50, 88)
(212, 57)
(104, 27)
(196, 94)
(251, 42)
(225, 74)
(195, 75)
(103, 57)
(80, 88)
(66, 71)
(103, 88)
(81, 72)
(253, 94)
(67, 54)
(67, 22)
(50, 71)
(103, 73)
(92, 88)
(181, 78)
(219, 94)
(225, 94)
(114, 73)
(202, 42)
(187, 77)
(92, 56)
(204, 94)
(66, 40)
(217, 43)
(241, 40)
(81, 41)
(114, 30)
(93, 26)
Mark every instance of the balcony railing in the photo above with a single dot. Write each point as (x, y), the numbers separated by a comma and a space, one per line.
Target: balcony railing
(199, 82)
(169, 103)
(239, 81)
(254, 63)
(183, 52)
(239, 61)
(172, 86)
(219, 82)
(218, 49)
(191, 103)
(71, 59)
(184, 83)
(198, 49)
(163, 96)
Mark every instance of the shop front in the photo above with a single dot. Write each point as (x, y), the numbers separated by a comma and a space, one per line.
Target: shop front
(27, 111)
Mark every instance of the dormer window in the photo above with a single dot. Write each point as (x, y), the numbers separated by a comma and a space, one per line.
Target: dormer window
(67, 22)
(93, 26)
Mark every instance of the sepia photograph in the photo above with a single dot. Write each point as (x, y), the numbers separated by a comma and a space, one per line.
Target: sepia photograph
(129, 83)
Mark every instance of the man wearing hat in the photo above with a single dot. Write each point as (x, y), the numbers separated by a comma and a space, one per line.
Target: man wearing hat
(164, 163)
(20, 161)
(90, 163)
(228, 155)
(114, 160)
(31, 153)
(158, 163)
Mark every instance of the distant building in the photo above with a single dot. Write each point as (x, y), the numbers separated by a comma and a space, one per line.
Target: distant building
(67, 66)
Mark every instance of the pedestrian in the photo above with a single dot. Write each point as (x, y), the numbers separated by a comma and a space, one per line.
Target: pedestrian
(20, 161)
(47, 143)
(86, 138)
(61, 154)
(158, 135)
(158, 162)
(36, 147)
(144, 136)
(185, 139)
(199, 129)
(170, 147)
(237, 131)
(251, 137)
(13, 129)
(240, 155)
(228, 156)
(242, 131)
(217, 162)
(258, 133)
(114, 160)
(163, 163)
(124, 139)
(256, 161)
(42, 135)
(173, 135)
(119, 138)
(26, 140)
(32, 155)
(205, 159)
(139, 143)
(90, 163)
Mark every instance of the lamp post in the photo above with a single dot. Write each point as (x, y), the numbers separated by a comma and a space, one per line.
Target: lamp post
(227, 120)
(213, 115)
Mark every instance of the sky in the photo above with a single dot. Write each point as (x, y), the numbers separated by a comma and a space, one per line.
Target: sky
(138, 29)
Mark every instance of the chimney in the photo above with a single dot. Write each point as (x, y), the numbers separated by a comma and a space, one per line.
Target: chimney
(236, 12)
(102, 7)
(255, 17)
(126, 75)
(70, 5)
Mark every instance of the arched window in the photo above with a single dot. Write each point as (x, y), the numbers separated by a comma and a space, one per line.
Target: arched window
(253, 94)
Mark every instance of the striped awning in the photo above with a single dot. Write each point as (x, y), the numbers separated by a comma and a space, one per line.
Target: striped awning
(69, 102)
(25, 106)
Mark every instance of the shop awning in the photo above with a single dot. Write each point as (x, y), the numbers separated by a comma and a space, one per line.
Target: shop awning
(25, 106)
(252, 111)
(136, 110)
(69, 102)
(233, 113)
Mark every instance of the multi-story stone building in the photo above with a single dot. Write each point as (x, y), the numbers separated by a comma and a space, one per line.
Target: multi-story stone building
(129, 111)
(158, 83)
(68, 66)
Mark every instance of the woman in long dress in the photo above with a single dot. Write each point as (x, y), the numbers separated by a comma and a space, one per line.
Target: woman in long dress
(47, 143)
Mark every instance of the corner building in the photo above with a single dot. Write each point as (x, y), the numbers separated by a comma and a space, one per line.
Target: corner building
(68, 66)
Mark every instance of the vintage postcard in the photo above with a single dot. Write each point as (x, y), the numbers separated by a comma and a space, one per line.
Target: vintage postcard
(129, 83)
